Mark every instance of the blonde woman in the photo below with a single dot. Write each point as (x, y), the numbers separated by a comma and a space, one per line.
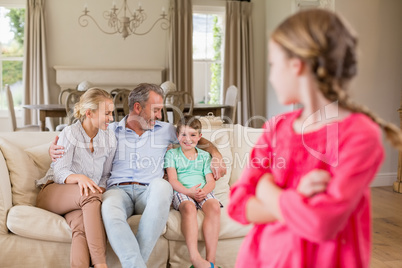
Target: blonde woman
(74, 184)
(311, 204)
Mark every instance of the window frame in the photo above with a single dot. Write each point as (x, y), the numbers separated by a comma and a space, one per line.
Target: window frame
(213, 8)
(10, 4)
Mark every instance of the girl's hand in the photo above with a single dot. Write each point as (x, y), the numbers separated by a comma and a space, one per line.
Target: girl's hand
(86, 183)
(314, 182)
(263, 183)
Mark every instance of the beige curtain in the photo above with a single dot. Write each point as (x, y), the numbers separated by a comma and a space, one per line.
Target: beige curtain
(181, 42)
(238, 61)
(35, 65)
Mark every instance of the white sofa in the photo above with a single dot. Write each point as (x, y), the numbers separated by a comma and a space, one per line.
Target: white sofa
(32, 237)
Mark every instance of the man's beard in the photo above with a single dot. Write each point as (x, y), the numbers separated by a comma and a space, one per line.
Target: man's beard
(145, 123)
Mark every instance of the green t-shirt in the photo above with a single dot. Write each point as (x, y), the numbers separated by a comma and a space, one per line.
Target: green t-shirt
(189, 172)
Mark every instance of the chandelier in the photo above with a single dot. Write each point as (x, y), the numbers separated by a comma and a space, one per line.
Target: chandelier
(128, 23)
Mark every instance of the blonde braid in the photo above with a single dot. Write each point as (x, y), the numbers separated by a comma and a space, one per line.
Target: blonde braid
(327, 45)
(392, 132)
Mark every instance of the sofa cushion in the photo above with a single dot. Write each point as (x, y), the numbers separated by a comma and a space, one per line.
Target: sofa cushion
(23, 173)
(229, 228)
(37, 223)
(40, 155)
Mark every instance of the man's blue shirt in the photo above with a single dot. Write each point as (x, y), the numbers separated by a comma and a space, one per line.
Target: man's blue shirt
(140, 158)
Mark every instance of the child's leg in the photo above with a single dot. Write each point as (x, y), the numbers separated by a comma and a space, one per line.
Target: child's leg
(211, 227)
(189, 227)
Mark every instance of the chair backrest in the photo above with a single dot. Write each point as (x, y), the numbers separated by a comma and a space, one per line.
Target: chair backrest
(11, 111)
(71, 99)
(177, 102)
(120, 101)
(168, 86)
(231, 99)
(63, 94)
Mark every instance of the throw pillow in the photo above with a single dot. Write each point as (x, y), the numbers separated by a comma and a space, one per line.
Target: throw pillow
(23, 173)
(40, 155)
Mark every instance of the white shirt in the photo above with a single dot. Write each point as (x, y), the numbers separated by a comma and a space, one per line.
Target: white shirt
(78, 158)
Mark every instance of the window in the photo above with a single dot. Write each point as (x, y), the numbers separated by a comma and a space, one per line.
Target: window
(12, 20)
(208, 37)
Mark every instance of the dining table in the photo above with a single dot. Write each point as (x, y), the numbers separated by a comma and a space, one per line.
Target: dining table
(203, 109)
(47, 110)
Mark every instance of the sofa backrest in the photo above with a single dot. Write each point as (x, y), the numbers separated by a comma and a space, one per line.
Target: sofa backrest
(234, 143)
(24, 158)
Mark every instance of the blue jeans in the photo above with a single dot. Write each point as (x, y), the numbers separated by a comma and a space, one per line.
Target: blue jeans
(119, 203)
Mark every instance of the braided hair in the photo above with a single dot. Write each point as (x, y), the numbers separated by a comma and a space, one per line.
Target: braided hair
(328, 46)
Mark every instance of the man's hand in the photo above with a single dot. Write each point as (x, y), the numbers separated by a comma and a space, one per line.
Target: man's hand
(56, 151)
(314, 182)
(218, 167)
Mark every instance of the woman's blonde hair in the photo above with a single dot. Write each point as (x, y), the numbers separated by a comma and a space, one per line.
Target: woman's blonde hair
(327, 45)
(90, 100)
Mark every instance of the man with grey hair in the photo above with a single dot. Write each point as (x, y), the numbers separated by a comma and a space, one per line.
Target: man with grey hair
(136, 184)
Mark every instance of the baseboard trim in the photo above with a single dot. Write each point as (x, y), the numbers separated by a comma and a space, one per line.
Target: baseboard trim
(384, 179)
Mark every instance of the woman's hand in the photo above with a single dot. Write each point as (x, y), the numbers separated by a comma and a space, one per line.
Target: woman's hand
(84, 183)
(314, 182)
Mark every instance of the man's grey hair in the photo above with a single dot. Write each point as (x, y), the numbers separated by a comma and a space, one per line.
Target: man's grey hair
(140, 94)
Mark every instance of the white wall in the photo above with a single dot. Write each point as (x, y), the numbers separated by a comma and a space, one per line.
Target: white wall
(379, 82)
(69, 44)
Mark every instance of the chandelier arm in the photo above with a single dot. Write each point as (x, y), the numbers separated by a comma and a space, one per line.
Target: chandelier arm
(164, 25)
(83, 21)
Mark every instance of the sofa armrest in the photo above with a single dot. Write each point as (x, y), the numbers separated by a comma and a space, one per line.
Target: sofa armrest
(5, 194)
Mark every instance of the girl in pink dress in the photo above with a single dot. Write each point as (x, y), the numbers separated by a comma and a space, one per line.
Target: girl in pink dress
(306, 186)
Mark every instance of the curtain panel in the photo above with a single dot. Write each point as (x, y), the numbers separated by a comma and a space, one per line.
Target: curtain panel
(181, 42)
(35, 64)
(239, 57)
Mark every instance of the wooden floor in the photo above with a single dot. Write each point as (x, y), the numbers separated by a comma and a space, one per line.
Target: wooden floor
(387, 228)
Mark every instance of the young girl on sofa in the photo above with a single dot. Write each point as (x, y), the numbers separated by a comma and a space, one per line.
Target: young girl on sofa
(312, 208)
(74, 184)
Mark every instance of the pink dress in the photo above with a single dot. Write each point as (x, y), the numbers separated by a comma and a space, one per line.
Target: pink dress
(330, 229)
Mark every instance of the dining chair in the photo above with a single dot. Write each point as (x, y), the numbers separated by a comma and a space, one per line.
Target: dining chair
(176, 102)
(71, 99)
(63, 94)
(120, 101)
(11, 113)
(62, 100)
(231, 99)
